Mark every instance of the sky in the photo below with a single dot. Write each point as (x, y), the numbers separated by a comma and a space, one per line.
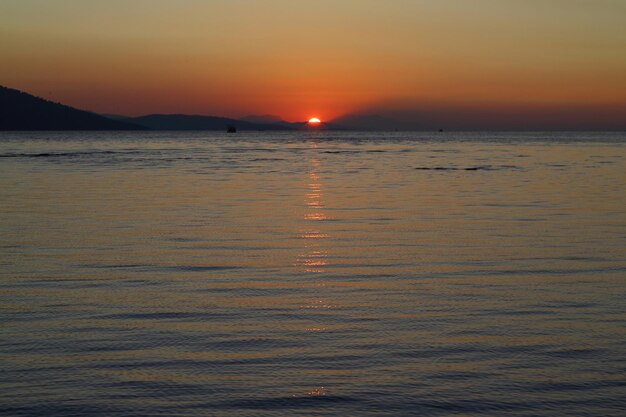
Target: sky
(457, 62)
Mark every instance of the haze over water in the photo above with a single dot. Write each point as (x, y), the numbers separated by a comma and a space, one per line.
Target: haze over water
(326, 274)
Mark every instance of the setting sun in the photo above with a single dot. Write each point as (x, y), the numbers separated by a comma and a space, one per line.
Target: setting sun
(314, 121)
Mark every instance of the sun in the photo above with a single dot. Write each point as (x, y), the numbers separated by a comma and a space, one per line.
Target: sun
(314, 121)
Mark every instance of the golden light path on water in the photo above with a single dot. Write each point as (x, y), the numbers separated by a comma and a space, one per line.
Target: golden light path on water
(315, 257)
(314, 260)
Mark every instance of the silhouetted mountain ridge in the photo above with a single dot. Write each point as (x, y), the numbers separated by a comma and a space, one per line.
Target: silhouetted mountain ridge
(264, 118)
(23, 111)
(197, 122)
(372, 122)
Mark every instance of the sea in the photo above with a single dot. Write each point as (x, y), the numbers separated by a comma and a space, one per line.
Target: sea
(312, 274)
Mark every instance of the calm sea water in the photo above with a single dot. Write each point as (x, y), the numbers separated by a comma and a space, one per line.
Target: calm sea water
(313, 274)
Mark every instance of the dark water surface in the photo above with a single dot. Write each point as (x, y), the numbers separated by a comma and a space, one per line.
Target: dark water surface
(312, 274)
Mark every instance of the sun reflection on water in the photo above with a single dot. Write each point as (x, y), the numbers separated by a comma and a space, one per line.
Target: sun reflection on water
(320, 391)
(318, 304)
(315, 392)
(314, 260)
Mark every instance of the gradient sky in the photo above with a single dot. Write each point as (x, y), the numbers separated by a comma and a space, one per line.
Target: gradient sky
(300, 59)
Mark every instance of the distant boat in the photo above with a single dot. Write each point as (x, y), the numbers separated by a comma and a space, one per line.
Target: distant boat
(231, 129)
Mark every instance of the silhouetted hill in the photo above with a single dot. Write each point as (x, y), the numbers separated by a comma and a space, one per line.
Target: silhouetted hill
(265, 118)
(370, 122)
(22, 111)
(187, 122)
(114, 116)
(191, 122)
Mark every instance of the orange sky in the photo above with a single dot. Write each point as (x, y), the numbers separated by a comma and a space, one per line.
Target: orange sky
(301, 59)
